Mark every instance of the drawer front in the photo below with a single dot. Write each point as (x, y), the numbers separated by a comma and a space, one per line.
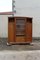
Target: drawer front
(20, 39)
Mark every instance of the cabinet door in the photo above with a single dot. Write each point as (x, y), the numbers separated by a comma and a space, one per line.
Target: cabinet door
(20, 29)
(11, 31)
(29, 30)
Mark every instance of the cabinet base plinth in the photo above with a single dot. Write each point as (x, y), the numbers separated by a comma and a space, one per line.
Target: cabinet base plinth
(18, 43)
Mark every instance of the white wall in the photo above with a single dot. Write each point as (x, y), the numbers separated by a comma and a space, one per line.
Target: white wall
(30, 8)
(4, 25)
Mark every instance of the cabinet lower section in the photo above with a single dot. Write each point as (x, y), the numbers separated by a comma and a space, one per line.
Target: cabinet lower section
(20, 40)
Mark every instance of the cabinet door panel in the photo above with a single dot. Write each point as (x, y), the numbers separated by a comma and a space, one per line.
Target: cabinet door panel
(20, 39)
(29, 32)
(11, 32)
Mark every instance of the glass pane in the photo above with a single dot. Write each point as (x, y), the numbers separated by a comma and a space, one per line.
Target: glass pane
(20, 26)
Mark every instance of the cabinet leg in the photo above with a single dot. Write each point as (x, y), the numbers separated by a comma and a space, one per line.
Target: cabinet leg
(30, 44)
(8, 44)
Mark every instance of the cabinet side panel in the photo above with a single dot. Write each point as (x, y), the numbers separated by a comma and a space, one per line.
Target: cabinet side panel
(11, 31)
(29, 31)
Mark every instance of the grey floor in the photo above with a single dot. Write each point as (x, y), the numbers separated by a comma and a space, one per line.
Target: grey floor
(34, 46)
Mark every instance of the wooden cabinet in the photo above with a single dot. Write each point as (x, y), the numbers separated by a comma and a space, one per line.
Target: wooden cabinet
(19, 30)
